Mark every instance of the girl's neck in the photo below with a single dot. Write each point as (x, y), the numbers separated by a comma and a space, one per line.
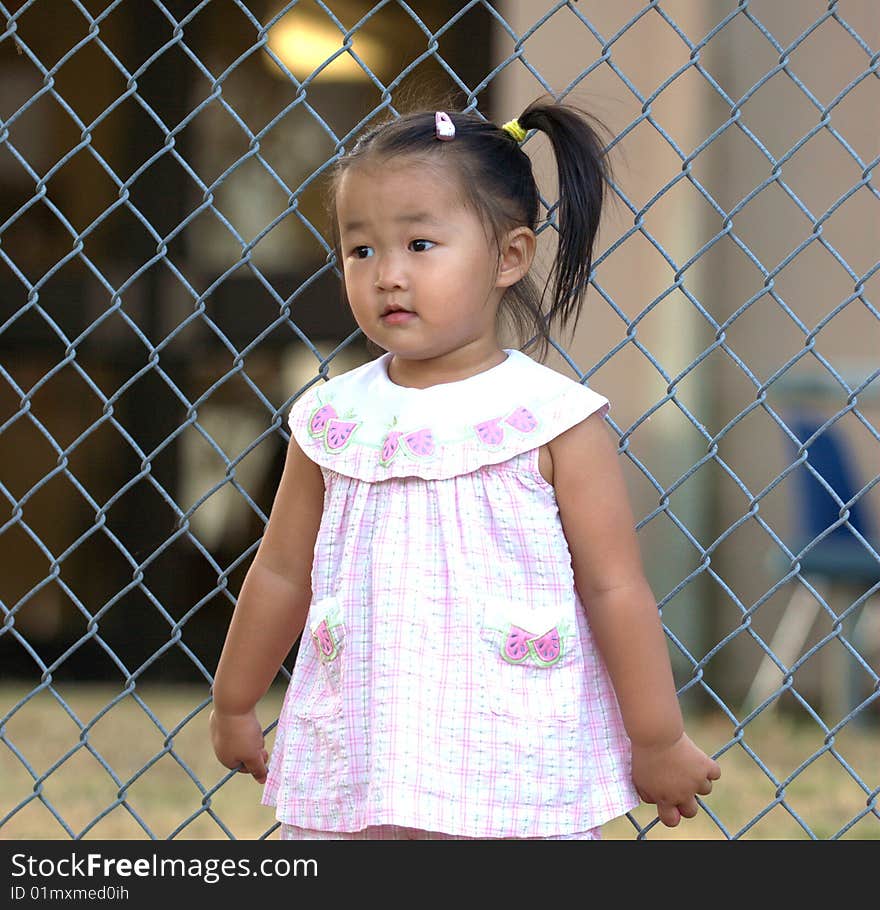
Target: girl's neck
(452, 367)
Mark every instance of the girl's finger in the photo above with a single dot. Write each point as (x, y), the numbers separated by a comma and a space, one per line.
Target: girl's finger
(669, 814)
(705, 787)
(688, 808)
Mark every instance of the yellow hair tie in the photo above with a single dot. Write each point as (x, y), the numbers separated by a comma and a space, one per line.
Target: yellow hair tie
(514, 130)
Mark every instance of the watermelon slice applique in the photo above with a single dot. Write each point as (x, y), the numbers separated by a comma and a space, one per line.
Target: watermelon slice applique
(546, 648)
(522, 419)
(390, 448)
(420, 443)
(318, 420)
(490, 432)
(324, 642)
(338, 433)
(516, 647)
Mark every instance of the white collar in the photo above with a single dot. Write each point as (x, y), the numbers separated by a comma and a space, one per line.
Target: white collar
(362, 424)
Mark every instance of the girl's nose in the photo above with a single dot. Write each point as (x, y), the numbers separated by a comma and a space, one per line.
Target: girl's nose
(390, 274)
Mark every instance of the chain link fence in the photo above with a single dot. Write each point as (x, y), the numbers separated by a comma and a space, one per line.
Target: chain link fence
(167, 289)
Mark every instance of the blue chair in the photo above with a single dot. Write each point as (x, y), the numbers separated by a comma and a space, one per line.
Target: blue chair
(838, 561)
(840, 556)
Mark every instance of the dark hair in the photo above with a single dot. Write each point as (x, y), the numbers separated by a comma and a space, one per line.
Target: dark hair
(496, 179)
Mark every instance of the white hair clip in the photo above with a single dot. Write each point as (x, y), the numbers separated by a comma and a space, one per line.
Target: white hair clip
(443, 126)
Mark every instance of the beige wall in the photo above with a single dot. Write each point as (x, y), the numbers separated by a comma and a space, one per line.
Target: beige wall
(769, 228)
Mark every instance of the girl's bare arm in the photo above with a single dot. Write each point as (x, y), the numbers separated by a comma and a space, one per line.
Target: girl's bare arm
(269, 614)
(668, 769)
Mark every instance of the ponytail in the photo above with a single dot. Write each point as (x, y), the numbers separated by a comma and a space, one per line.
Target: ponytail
(583, 175)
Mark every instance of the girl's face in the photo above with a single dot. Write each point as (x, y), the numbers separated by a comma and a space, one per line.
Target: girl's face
(421, 273)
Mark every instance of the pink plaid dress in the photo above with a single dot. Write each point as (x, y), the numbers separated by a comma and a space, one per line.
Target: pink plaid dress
(446, 680)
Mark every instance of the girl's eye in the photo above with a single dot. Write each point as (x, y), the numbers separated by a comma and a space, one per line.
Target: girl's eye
(421, 246)
(362, 252)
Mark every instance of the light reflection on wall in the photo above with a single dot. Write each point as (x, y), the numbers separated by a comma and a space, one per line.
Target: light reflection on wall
(303, 40)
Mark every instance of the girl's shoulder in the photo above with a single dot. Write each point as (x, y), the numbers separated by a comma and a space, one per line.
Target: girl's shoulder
(363, 425)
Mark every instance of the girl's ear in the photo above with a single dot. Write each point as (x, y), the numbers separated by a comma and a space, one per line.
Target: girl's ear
(517, 253)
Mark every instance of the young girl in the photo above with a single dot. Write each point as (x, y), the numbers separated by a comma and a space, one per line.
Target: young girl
(483, 657)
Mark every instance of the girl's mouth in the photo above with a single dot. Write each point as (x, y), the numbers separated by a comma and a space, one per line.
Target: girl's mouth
(396, 316)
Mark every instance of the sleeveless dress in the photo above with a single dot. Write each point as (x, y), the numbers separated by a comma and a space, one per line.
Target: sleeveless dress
(446, 679)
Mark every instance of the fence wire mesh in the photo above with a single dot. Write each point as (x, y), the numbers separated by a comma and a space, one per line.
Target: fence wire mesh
(167, 290)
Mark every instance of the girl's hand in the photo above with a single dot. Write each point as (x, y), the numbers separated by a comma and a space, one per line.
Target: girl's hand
(238, 743)
(672, 775)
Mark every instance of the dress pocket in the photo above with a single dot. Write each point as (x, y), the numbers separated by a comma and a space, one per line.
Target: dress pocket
(532, 660)
(321, 666)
